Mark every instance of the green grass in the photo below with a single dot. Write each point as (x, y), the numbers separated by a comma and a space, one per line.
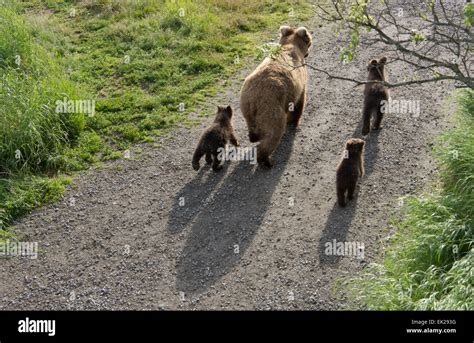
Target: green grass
(20, 194)
(35, 141)
(33, 135)
(429, 262)
(148, 65)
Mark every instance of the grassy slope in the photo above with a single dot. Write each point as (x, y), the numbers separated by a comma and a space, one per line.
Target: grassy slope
(138, 60)
(142, 60)
(429, 262)
(34, 139)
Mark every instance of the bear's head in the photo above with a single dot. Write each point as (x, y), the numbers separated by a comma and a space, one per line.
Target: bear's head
(355, 146)
(299, 37)
(224, 114)
(376, 69)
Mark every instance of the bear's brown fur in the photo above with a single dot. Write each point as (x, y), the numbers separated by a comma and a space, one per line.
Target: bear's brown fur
(374, 93)
(214, 137)
(274, 94)
(349, 170)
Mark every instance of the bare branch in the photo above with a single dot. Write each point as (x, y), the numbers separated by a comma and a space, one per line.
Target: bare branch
(439, 43)
(385, 83)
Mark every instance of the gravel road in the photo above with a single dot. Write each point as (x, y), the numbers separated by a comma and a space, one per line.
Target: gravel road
(151, 233)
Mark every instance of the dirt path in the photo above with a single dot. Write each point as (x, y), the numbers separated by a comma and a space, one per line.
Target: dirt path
(121, 240)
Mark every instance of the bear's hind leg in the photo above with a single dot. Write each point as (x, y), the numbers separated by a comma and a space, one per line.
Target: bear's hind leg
(249, 116)
(378, 118)
(196, 157)
(351, 189)
(270, 142)
(208, 158)
(366, 116)
(216, 164)
(341, 196)
(295, 115)
(233, 139)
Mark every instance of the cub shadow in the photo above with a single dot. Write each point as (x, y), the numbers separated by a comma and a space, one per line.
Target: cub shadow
(225, 227)
(340, 218)
(192, 197)
(371, 146)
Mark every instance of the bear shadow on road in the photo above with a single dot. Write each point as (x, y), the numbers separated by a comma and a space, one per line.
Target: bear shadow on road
(224, 227)
(340, 218)
(191, 198)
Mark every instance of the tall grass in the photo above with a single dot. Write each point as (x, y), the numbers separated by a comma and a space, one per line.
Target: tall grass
(33, 135)
(139, 60)
(35, 140)
(152, 63)
(429, 262)
(456, 154)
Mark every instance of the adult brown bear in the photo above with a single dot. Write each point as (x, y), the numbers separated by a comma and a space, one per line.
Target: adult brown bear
(274, 94)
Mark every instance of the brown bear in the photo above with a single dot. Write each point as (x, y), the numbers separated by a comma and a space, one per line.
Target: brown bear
(349, 170)
(274, 94)
(374, 94)
(214, 138)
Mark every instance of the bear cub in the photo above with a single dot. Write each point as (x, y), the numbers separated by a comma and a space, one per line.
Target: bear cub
(214, 137)
(374, 93)
(350, 169)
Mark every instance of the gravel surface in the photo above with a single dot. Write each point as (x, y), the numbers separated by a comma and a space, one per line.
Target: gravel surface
(151, 233)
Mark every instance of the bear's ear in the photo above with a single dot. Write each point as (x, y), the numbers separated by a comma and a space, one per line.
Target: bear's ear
(372, 63)
(228, 110)
(286, 30)
(383, 60)
(303, 33)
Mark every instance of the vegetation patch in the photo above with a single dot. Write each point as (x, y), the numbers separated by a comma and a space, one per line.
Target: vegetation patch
(429, 262)
(145, 65)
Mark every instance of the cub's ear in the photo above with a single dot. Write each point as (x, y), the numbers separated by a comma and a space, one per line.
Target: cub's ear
(303, 33)
(228, 110)
(372, 63)
(383, 60)
(286, 30)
